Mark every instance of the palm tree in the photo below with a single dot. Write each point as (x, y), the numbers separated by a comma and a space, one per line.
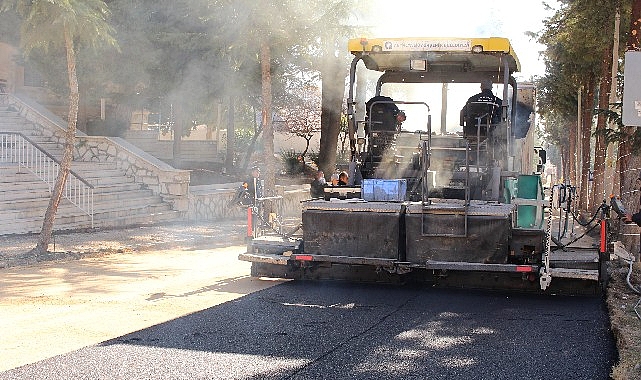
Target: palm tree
(63, 24)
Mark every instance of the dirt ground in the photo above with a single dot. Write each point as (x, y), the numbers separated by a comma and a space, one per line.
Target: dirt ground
(15, 250)
(624, 306)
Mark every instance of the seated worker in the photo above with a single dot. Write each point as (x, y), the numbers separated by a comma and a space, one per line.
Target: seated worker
(483, 105)
(385, 115)
(343, 179)
(253, 184)
(317, 187)
(334, 179)
(251, 189)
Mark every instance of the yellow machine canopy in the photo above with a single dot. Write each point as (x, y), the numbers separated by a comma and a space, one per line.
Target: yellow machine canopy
(448, 59)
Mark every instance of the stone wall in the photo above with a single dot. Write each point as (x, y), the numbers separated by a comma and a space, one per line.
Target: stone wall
(200, 203)
(211, 202)
(162, 179)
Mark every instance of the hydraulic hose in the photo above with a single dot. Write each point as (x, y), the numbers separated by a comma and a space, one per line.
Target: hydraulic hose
(633, 288)
(630, 261)
(591, 220)
(627, 278)
(564, 246)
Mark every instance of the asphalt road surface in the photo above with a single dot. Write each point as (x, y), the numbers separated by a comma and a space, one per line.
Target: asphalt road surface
(337, 330)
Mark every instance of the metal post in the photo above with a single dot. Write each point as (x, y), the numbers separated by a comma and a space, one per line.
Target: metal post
(444, 109)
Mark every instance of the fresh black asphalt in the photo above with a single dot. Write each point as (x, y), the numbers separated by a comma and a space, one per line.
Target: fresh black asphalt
(337, 330)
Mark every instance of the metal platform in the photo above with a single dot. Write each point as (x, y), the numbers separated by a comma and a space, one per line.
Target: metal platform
(582, 274)
(356, 205)
(275, 244)
(475, 208)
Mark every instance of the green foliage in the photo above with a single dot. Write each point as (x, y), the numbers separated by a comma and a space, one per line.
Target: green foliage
(243, 138)
(190, 54)
(10, 27)
(313, 157)
(42, 27)
(44, 23)
(575, 38)
(614, 115)
(293, 162)
(109, 127)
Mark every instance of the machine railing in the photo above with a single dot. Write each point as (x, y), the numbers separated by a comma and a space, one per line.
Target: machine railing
(18, 148)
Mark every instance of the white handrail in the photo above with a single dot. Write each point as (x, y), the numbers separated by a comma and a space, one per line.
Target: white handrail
(17, 148)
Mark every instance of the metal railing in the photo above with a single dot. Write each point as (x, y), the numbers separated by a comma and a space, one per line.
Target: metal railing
(19, 149)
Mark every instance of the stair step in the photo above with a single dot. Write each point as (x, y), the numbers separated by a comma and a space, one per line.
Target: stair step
(108, 181)
(36, 208)
(118, 200)
(14, 174)
(20, 195)
(117, 188)
(109, 198)
(82, 223)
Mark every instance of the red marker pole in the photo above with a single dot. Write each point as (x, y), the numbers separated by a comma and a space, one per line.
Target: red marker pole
(250, 232)
(603, 244)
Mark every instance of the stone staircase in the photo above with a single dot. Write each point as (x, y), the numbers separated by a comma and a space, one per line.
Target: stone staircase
(118, 200)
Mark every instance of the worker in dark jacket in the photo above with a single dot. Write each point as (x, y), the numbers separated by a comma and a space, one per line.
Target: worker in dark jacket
(317, 187)
(635, 218)
(485, 96)
(343, 179)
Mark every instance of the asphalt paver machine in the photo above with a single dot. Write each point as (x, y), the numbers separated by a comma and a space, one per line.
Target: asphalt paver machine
(457, 206)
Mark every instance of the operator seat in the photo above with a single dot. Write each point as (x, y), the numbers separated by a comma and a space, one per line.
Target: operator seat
(477, 119)
(381, 128)
(381, 114)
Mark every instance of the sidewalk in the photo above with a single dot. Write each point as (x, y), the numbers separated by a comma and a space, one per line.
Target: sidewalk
(60, 306)
(15, 250)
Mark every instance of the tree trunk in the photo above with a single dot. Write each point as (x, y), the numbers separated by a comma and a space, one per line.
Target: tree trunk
(629, 165)
(571, 165)
(598, 185)
(307, 142)
(630, 169)
(229, 154)
(586, 133)
(67, 156)
(564, 164)
(178, 128)
(333, 81)
(266, 117)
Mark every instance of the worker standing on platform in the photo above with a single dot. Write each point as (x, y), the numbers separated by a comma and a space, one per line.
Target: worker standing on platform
(636, 218)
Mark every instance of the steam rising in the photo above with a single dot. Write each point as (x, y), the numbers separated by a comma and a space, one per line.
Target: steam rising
(193, 54)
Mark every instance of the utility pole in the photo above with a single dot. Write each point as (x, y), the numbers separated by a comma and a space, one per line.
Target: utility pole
(579, 133)
(444, 109)
(612, 181)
